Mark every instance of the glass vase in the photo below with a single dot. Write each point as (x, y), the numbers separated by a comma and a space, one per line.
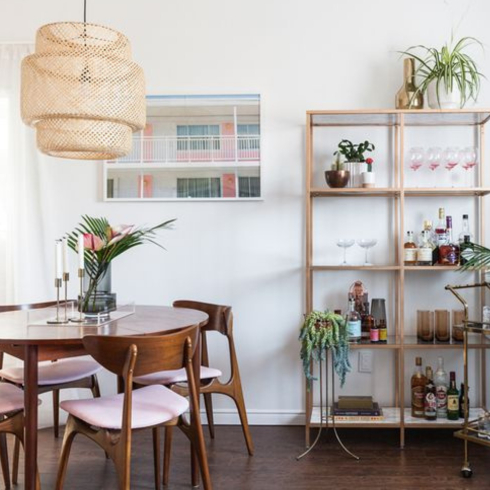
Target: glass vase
(98, 300)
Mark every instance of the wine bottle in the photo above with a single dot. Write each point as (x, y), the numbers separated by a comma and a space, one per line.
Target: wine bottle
(452, 398)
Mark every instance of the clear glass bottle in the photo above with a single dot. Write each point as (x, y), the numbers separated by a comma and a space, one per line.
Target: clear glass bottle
(417, 384)
(353, 323)
(465, 230)
(430, 397)
(424, 252)
(441, 383)
(410, 250)
(449, 252)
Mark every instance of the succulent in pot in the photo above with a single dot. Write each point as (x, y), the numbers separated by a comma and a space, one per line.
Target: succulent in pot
(337, 176)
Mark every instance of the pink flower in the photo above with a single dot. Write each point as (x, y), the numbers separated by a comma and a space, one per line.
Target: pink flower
(92, 242)
(369, 161)
(119, 232)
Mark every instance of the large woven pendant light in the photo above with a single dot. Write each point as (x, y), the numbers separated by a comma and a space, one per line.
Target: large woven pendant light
(82, 92)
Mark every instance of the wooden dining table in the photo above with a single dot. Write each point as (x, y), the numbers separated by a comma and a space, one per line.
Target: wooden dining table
(37, 342)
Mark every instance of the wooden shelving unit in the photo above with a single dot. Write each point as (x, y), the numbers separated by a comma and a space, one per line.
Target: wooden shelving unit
(399, 122)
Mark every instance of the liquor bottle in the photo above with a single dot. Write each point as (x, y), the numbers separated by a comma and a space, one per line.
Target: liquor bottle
(425, 250)
(410, 250)
(465, 245)
(430, 398)
(353, 323)
(367, 322)
(374, 334)
(441, 228)
(461, 401)
(417, 384)
(449, 251)
(432, 240)
(466, 230)
(383, 331)
(440, 381)
(452, 398)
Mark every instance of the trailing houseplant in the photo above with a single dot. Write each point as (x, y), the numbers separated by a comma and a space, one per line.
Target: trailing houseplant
(322, 330)
(449, 74)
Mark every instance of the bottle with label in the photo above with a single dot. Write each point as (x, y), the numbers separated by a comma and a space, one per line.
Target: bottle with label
(425, 250)
(430, 399)
(449, 252)
(353, 323)
(432, 240)
(383, 331)
(462, 396)
(465, 230)
(417, 385)
(467, 244)
(410, 250)
(441, 228)
(367, 322)
(440, 381)
(452, 398)
(374, 334)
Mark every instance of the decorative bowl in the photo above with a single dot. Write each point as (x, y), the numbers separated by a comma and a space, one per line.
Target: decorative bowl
(337, 178)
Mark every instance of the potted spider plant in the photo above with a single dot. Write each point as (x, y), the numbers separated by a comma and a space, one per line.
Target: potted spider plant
(322, 330)
(449, 75)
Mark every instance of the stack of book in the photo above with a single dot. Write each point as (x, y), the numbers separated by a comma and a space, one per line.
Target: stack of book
(357, 409)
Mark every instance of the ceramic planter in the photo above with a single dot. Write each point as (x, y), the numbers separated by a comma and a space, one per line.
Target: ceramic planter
(446, 100)
(368, 179)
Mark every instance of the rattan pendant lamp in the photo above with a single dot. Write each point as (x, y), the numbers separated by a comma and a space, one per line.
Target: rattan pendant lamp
(82, 92)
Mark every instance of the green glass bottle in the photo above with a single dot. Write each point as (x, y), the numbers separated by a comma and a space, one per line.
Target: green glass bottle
(452, 398)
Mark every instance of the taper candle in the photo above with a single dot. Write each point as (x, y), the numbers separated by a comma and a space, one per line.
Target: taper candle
(64, 249)
(58, 260)
(81, 261)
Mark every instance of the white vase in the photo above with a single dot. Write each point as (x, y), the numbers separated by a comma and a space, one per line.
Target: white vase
(446, 100)
(368, 179)
(356, 169)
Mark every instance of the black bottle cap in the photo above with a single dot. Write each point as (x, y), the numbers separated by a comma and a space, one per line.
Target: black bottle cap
(465, 216)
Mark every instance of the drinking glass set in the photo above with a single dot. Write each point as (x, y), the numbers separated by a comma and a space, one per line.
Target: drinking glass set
(365, 243)
(435, 325)
(435, 157)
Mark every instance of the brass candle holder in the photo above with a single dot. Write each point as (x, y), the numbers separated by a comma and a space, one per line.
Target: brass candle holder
(81, 318)
(57, 284)
(66, 278)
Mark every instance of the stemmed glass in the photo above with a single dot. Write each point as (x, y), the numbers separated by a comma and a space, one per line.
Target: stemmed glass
(469, 157)
(416, 156)
(345, 243)
(434, 156)
(367, 243)
(451, 157)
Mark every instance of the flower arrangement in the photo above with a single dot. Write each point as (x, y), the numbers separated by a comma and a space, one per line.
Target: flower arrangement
(352, 152)
(103, 243)
(369, 162)
(322, 330)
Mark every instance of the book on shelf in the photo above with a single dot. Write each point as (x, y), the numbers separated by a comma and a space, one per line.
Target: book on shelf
(355, 418)
(375, 411)
(355, 402)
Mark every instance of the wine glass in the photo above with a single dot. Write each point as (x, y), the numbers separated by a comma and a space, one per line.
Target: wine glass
(345, 243)
(416, 156)
(469, 157)
(434, 157)
(451, 157)
(366, 244)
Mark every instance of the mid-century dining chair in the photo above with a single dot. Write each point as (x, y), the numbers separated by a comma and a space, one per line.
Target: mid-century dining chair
(220, 320)
(11, 422)
(110, 420)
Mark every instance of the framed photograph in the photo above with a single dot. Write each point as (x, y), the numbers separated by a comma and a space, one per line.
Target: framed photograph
(194, 147)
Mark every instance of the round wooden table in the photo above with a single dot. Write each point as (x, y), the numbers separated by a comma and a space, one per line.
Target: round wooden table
(34, 343)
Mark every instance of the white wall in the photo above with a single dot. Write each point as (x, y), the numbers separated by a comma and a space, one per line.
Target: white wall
(299, 55)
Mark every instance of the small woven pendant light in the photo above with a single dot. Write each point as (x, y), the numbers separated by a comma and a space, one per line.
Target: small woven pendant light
(82, 92)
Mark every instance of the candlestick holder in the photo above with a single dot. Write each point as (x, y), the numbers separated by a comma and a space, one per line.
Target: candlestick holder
(57, 284)
(81, 318)
(66, 278)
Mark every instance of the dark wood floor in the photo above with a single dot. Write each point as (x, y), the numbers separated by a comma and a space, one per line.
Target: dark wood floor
(431, 460)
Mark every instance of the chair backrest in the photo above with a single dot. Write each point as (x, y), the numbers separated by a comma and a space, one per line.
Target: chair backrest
(220, 317)
(154, 352)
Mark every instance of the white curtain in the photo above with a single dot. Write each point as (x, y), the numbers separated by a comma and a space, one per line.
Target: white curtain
(23, 271)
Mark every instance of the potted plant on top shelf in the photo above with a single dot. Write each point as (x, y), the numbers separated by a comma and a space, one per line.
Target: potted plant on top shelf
(449, 75)
(322, 331)
(357, 162)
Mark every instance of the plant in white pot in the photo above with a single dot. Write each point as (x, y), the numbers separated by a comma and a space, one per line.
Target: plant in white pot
(449, 75)
(355, 160)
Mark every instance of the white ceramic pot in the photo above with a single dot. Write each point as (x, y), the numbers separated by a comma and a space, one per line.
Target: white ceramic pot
(368, 179)
(446, 100)
(356, 169)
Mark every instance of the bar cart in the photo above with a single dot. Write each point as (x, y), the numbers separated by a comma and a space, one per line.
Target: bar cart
(472, 430)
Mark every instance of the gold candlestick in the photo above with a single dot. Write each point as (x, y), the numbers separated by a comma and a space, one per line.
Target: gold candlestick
(80, 319)
(66, 278)
(57, 285)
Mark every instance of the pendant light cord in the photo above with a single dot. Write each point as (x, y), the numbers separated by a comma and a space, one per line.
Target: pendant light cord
(84, 11)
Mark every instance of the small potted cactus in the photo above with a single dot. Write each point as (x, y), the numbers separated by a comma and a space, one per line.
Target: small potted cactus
(368, 178)
(337, 176)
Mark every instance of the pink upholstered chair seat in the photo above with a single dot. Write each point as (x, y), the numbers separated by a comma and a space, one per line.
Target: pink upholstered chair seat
(11, 398)
(175, 376)
(52, 373)
(152, 405)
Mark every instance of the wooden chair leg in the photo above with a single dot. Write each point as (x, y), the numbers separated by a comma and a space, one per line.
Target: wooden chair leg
(208, 403)
(95, 387)
(200, 448)
(4, 457)
(156, 456)
(167, 448)
(65, 453)
(56, 413)
(15, 466)
(242, 412)
(194, 466)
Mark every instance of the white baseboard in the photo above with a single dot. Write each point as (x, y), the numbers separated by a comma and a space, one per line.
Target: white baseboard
(257, 417)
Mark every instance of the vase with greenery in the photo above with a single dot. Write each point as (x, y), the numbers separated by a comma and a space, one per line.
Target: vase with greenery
(322, 331)
(449, 75)
(102, 244)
